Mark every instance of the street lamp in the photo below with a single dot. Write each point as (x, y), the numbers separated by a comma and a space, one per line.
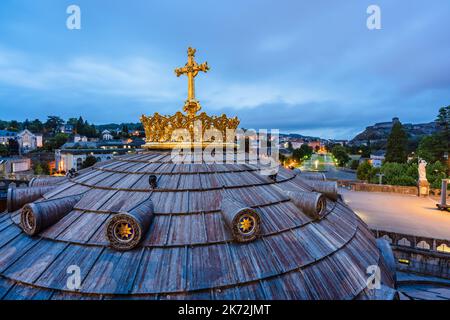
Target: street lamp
(380, 176)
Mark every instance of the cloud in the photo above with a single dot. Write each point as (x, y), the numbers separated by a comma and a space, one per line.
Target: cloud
(145, 80)
(133, 77)
(252, 95)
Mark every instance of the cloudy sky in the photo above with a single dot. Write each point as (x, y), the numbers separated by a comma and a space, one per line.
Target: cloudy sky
(311, 67)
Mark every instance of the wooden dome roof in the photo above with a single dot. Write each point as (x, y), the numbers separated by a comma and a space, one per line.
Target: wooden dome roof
(188, 251)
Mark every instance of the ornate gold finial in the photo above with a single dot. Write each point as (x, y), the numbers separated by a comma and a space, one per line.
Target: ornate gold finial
(191, 69)
(159, 129)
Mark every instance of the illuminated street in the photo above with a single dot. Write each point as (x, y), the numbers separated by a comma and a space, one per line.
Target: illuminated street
(400, 213)
(325, 164)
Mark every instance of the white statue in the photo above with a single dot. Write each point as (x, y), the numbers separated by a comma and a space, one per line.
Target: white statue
(423, 170)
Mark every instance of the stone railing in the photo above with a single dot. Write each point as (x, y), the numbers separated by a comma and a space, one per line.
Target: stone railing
(419, 254)
(369, 187)
(18, 176)
(410, 241)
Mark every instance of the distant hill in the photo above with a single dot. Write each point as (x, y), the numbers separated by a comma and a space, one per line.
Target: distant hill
(114, 126)
(379, 133)
(298, 136)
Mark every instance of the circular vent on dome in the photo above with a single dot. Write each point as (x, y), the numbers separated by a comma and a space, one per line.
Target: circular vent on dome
(243, 222)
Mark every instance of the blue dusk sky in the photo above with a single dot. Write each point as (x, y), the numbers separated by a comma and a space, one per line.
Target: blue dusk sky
(311, 67)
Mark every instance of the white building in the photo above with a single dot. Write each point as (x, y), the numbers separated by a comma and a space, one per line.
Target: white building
(72, 155)
(377, 158)
(14, 165)
(67, 160)
(106, 135)
(29, 141)
(66, 128)
(6, 135)
(78, 138)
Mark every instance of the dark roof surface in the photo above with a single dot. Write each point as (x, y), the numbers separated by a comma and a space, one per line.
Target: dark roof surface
(188, 251)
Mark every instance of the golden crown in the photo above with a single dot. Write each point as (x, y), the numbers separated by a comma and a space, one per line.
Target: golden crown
(161, 131)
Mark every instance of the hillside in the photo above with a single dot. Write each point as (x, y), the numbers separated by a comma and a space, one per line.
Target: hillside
(379, 133)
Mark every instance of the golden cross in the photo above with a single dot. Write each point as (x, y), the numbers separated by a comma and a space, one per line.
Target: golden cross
(191, 69)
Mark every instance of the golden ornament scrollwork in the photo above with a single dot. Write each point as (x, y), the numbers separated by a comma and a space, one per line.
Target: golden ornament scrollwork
(159, 129)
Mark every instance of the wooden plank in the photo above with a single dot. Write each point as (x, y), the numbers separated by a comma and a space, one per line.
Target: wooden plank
(186, 229)
(127, 182)
(59, 189)
(94, 199)
(317, 245)
(168, 182)
(21, 292)
(7, 234)
(53, 231)
(111, 180)
(290, 286)
(73, 190)
(162, 270)
(5, 286)
(56, 275)
(216, 230)
(94, 174)
(253, 261)
(61, 296)
(113, 272)
(200, 201)
(82, 229)
(170, 202)
(14, 250)
(34, 262)
(289, 252)
(5, 223)
(252, 291)
(157, 235)
(210, 266)
(209, 181)
(123, 201)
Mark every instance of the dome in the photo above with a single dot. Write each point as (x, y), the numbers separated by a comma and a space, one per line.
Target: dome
(308, 243)
(144, 226)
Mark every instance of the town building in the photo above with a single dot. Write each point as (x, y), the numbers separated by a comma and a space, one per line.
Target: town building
(106, 135)
(79, 138)
(72, 155)
(29, 141)
(66, 128)
(315, 145)
(14, 165)
(6, 135)
(377, 158)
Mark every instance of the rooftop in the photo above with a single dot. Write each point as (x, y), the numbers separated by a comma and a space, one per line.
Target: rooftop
(189, 250)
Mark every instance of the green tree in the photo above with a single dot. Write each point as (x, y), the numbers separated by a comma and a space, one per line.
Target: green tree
(443, 123)
(396, 150)
(364, 171)
(354, 165)
(36, 126)
(431, 148)
(38, 170)
(435, 173)
(56, 142)
(397, 174)
(3, 150)
(340, 153)
(89, 162)
(53, 123)
(13, 147)
(14, 126)
(302, 153)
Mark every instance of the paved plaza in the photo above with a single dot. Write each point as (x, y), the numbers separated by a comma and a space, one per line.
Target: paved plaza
(400, 213)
